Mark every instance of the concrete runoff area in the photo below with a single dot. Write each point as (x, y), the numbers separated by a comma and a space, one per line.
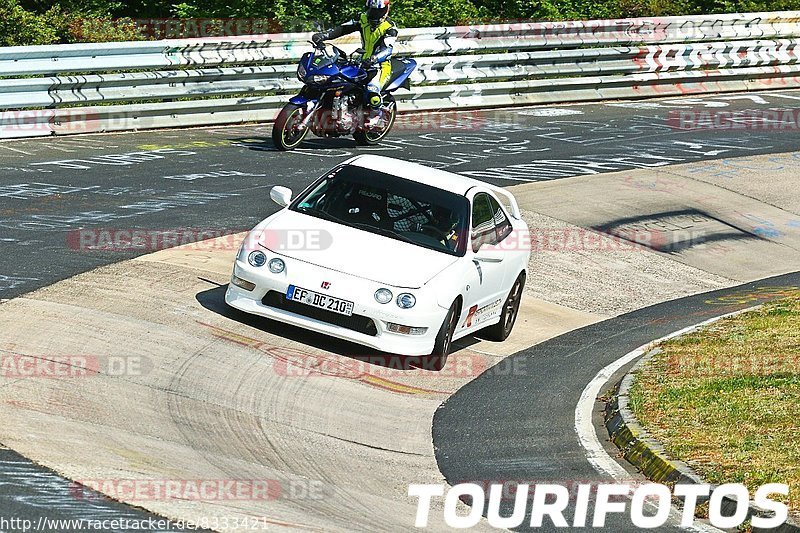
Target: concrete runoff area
(207, 393)
(220, 396)
(684, 213)
(595, 273)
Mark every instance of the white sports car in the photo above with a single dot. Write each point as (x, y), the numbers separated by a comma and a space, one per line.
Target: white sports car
(410, 259)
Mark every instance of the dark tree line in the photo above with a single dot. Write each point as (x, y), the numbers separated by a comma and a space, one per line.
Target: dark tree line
(25, 22)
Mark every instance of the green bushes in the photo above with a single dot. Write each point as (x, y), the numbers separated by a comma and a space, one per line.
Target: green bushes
(44, 22)
(20, 26)
(25, 22)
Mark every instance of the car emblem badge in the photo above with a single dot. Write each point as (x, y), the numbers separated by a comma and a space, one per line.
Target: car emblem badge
(326, 285)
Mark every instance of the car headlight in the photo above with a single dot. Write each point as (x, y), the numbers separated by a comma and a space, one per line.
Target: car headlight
(276, 266)
(320, 80)
(257, 259)
(383, 296)
(406, 301)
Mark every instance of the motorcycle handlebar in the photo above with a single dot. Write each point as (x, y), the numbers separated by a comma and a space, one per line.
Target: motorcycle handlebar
(320, 46)
(354, 59)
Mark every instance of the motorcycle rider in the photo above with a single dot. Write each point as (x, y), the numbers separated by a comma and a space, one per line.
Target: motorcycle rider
(378, 34)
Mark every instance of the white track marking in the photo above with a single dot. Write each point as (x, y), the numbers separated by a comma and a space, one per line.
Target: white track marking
(62, 149)
(14, 149)
(752, 97)
(595, 453)
(551, 112)
(789, 96)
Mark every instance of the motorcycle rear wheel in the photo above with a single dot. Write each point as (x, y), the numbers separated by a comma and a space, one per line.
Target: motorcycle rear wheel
(287, 132)
(371, 138)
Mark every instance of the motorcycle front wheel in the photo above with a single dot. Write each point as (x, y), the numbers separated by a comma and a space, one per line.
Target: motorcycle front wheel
(371, 138)
(288, 131)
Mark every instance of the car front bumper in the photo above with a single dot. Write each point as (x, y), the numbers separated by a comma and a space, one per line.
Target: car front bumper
(344, 286)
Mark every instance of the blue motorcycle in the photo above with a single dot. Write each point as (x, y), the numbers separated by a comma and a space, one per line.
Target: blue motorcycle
(333, 102)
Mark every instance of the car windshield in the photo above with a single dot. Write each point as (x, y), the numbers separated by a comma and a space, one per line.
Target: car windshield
(389, 206)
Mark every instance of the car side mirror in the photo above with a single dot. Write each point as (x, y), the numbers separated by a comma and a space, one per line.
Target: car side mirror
(281, 195)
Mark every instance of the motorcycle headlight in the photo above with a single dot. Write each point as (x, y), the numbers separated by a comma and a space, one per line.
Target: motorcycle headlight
(301, 73)
(406, 301)
(320, 80)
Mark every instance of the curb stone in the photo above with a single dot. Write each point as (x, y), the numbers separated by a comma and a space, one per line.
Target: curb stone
(649, 456)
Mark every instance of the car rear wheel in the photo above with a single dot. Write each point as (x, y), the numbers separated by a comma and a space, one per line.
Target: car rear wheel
(444, 340)
(500, 331)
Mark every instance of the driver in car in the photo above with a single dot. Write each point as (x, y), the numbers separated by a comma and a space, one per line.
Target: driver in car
(443, 226)
(378, 34)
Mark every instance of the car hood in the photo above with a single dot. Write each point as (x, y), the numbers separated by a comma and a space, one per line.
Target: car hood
(352, 251)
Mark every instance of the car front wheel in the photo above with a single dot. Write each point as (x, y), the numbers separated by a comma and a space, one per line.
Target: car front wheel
(500, 331)
(444, 339)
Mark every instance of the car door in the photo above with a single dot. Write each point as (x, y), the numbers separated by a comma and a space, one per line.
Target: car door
(489, 227)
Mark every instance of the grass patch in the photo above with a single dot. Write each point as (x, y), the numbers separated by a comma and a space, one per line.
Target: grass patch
(726, 399)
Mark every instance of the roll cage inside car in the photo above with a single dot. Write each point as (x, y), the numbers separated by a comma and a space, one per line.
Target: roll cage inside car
(390, 206)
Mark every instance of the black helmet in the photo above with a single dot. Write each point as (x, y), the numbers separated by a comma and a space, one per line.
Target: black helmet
(377, 11)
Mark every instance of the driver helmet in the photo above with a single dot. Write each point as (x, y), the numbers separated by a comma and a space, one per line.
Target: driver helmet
(443, 219)
(377, 11)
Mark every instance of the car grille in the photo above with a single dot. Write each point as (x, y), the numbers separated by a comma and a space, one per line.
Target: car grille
(357, 323)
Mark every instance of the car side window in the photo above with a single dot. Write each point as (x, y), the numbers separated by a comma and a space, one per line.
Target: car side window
(484, 230)
(504, 228)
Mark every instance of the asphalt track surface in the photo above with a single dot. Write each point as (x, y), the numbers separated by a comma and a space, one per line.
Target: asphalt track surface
(519, 427)
(28, 492)
(218, 180)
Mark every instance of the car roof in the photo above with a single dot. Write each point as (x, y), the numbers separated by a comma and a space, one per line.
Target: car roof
(419, 173)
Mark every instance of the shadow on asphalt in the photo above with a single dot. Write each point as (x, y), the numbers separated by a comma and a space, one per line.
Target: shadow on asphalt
(675, 231)
(265, 144)
(214, 301)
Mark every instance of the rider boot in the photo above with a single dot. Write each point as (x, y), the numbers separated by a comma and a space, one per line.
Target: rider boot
(375, 115)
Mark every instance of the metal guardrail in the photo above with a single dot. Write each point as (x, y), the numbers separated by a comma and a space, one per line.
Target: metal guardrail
(54, 90)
